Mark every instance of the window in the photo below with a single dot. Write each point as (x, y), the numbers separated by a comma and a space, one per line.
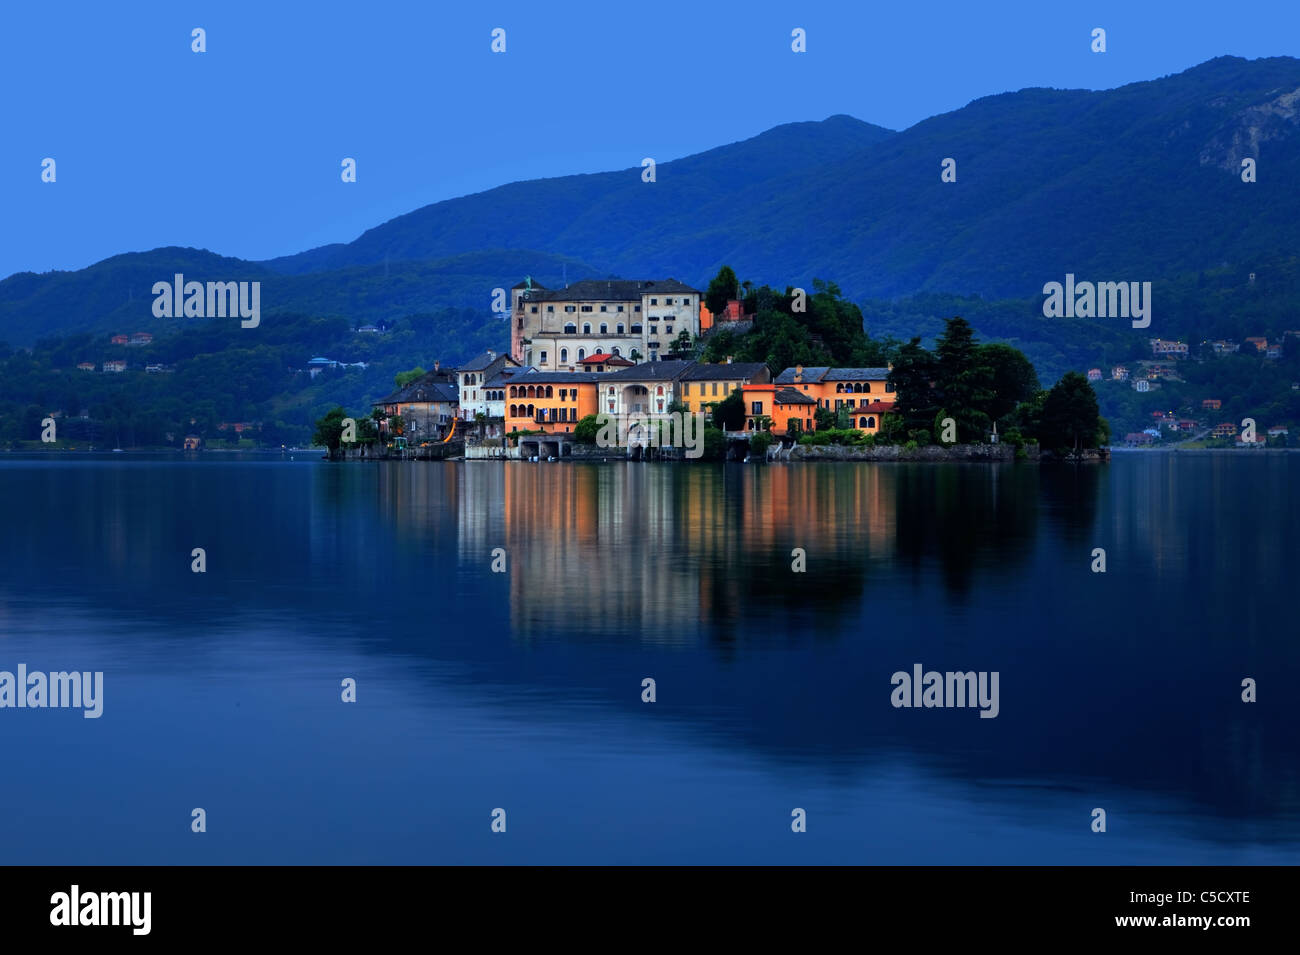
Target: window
(636, 308)
(686, 388)
(586, 308)
(654, 329)
(604, 329)
(550, 308)
(550, 392)
(570, 308)
(889, 386)
(849, 402)
(514, 411)
(582, 353)
(636, 328)
(514, 391)
(715, 388)
(564, 356)
(756, 407)
(534, 309)
(654, 301)
(570, 328)
(604, 308)
(620, 308)
(615, 353)
(620, 328)
(669, 329)
(543, 358)
(586, 328)
(867, 387)
(871, 421)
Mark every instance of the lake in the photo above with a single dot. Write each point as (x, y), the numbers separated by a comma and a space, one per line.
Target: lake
(522, 690)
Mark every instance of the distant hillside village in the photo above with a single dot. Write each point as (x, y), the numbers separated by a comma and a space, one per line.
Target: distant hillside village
(613, 347)
(1209, 416)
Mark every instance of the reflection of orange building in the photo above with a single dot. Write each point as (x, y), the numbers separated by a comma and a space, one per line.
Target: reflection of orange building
(550, 401)
(865, 393)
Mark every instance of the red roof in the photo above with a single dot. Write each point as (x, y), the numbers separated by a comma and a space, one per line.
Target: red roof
(606, 358)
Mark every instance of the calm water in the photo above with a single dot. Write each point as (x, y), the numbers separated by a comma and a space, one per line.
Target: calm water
(522, 690)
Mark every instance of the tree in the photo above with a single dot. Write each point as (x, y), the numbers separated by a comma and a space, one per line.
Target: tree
(681, 345)
(329, 431)
(722, 289)
(914, 370)
(404, 378)
(585, 431)
(1070, 416)
(1012, 378)
(963, 384)
(729, 413)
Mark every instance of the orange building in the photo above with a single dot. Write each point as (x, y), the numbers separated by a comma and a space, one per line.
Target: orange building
(865, 393)
(550, 401)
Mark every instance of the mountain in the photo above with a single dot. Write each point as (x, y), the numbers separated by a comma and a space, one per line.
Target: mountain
(1139, 183)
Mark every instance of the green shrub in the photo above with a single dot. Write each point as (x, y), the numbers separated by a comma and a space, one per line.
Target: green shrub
(760, 442)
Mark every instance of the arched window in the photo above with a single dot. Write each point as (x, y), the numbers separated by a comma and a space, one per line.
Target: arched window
(857, 389)
(867, 387)
(871, 421)
(550, 392)
(570, 329)
(659, 390)
(532, 392)
(611, 389)
(604, 328)
(586, 328)
(839, 389)
(862, 423)
(514, 411)
(582, 353)
(620, 328)
(564, 356)
(530, 411)
(889, 386)
(514, 392)
(615, 353)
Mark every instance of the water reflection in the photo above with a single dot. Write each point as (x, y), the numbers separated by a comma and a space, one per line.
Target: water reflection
(1111, 683)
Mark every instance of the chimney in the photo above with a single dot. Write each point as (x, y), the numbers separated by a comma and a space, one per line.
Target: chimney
(798, 373)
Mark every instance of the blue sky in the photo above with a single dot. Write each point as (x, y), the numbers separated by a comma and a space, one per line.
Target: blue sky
(238, 149)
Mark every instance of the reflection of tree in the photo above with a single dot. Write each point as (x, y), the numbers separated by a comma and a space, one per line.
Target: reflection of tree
(966, 516)
(1070, 493)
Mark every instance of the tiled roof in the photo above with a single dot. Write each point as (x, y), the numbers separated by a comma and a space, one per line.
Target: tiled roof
(534, 376)
(610, 290)
(434, 384)
(668, 370)
(788, 396)
(822, 373)
(606, 358)
(481, 361)
(705, 371)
